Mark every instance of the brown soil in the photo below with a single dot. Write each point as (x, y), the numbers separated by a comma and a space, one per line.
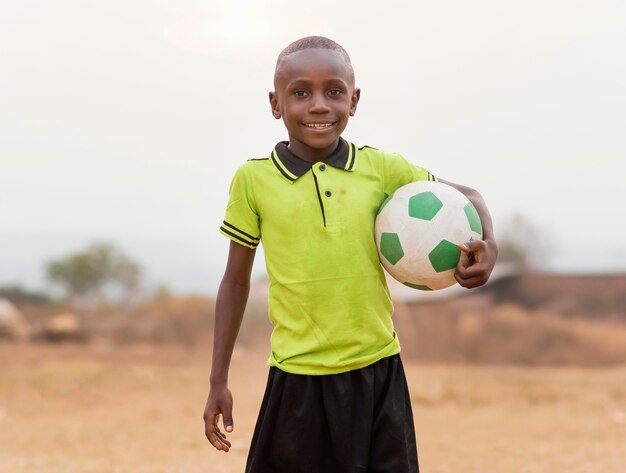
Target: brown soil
(97, 408)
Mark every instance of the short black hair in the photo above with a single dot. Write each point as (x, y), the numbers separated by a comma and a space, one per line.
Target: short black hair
(313, 42)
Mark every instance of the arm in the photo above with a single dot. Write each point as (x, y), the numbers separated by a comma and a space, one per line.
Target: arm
(482, 253)
(229, 308)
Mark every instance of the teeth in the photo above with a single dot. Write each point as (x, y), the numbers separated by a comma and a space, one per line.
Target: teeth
(318, 125)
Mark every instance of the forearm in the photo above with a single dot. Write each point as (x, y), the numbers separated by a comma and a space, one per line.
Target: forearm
(229, 309)
(481, 208)
(483, 212)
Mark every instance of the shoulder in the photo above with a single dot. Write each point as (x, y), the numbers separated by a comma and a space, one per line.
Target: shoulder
(244, 177)
(368, 150)
(393, 167)
(258, 161)
(252, 166)
(372, 151)
(379, 156)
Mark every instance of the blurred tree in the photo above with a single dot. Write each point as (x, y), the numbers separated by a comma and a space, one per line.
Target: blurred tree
(97, 274)
(522, 244)
(19, 295)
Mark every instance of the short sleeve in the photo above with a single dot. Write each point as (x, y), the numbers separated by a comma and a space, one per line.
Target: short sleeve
(398, 171)
(241, 221)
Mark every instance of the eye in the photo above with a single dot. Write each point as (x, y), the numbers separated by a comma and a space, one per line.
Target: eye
(334, 92)
(300, 93)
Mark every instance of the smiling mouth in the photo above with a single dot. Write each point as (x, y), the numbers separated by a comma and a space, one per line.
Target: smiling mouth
(318, 126)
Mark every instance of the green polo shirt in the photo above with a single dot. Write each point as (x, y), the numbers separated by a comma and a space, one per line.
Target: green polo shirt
(328, 299)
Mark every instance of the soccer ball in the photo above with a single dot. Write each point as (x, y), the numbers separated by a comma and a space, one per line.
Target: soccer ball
(418, 230)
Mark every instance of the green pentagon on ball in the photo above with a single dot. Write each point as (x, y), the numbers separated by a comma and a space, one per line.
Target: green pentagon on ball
(444, 256)
(424, 205)
(391, 248)
(473, 218)
(421, 287)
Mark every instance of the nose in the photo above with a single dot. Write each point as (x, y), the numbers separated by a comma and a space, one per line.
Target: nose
(318, 103)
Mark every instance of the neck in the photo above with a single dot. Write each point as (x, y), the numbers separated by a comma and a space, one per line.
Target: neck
(312, 155)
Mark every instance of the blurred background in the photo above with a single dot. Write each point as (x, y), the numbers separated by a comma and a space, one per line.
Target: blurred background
(124, 122)
(121, 125)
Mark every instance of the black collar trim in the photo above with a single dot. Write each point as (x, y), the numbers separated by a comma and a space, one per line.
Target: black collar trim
(292, 167)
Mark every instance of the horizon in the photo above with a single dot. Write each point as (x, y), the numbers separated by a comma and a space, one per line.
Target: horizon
(173, 262)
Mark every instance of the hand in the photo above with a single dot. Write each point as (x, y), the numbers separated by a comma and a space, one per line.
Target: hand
(481, 258)
(220, 402)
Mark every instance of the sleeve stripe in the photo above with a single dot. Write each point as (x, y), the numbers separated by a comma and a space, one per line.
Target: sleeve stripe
(241, 231)
(236, 237)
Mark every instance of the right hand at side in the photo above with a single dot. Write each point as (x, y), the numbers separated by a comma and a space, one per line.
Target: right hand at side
(220, 402)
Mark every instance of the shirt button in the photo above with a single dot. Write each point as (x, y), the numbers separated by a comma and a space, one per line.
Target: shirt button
(322, 167)
(328, 193)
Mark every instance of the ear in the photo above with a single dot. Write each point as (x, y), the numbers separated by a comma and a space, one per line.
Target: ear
(356, 95)
(274, 105)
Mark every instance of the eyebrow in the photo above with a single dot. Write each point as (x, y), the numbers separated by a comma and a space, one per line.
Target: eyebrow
(334, 80)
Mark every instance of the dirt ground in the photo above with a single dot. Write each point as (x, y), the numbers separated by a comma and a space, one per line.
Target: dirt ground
(102, 409)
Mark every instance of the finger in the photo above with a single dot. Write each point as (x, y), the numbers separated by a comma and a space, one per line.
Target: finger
(472, 276)
(214, 435)
(220, 434)
(471, 283)
(473, 259)
(228, 418)
(468, 267)
(470, 256)
(472, 246)
(475, 268)
(219, 441)
(221, 445)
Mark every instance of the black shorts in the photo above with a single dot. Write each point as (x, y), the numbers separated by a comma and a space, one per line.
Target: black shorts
(359, 421)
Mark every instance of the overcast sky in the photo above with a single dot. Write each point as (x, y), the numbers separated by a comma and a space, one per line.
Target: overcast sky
(124, 121)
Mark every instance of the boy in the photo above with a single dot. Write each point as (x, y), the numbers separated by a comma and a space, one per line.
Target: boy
(336, 398)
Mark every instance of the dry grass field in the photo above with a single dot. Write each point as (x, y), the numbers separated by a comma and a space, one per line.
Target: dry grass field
(102, 409)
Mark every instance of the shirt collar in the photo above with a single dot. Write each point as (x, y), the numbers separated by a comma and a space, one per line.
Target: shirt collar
(292, 167)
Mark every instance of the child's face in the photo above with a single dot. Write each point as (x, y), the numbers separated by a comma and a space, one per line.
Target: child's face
(315, 96)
